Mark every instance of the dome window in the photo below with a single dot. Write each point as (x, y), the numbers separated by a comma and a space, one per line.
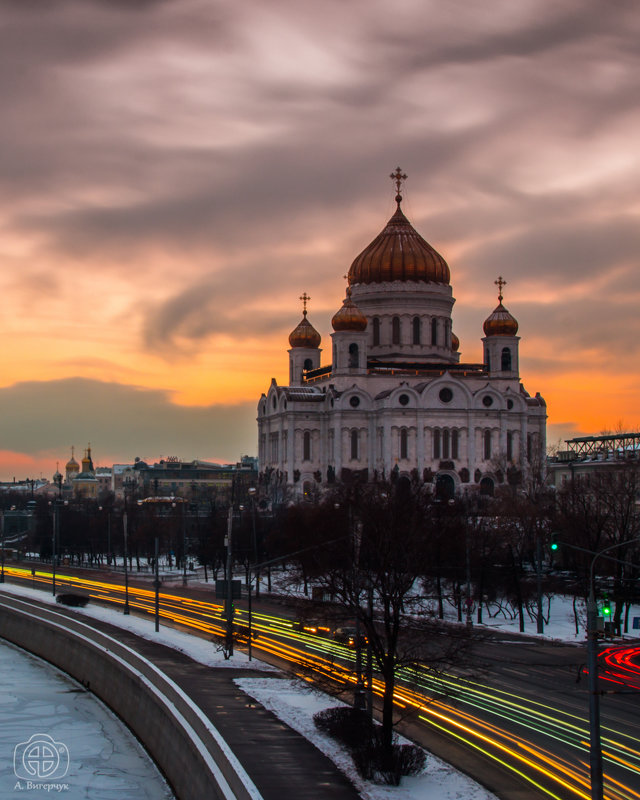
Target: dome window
(487, 401)
(416, 330)
(395, 330)
(354, 355)
(354, 401)
(376, 331)
(404, 399)
(434, 331)
(446, 395)
(509, 404)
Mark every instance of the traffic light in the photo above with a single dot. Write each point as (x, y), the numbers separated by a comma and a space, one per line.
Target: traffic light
(606, 605)
(555, 543)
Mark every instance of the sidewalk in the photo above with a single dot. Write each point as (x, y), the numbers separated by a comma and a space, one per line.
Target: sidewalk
(281, 762)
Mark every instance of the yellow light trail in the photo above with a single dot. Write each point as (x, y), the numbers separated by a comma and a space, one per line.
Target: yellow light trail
(530, 762)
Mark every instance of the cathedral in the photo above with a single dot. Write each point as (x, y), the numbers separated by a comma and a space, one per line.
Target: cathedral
(396, 399)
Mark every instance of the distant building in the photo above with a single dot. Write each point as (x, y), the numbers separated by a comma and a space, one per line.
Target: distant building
(195, 479)
(586, 454)
(396, 397)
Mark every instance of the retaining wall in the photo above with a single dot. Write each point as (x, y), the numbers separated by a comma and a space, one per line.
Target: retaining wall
(184, 743)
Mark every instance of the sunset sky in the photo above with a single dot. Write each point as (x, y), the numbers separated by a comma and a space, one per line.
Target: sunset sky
(175, 173)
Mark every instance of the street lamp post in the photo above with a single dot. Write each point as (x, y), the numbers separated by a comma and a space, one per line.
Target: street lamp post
(54, 534)
(595, 748)
(126, 570)
(184, 546)
(229, 598)
(252, 495)
(540, 621)
(156, 584)
(2, 534)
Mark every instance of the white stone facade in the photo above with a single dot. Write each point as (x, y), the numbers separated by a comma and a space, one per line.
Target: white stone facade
(396, 397)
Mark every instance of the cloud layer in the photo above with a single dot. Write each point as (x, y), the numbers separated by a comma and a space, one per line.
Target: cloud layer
(176, 172)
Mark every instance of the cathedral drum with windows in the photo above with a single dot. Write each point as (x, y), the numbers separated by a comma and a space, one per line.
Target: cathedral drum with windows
(396, 399)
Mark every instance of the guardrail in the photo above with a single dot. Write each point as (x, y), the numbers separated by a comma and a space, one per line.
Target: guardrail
(184, 743)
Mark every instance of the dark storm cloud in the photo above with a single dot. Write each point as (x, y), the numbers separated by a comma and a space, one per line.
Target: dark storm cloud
(37, 416)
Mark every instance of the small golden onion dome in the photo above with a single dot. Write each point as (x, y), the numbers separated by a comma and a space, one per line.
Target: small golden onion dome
(455, 342)
(349, 317)
(72, 465)
(399, 253)
(500, 322)
(304, 335)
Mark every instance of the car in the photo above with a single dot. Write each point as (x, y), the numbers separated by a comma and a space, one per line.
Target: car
(314, 626)
(348, 636)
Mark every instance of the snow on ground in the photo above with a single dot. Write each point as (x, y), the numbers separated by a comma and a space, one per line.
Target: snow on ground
(295, 702)
(200, 650)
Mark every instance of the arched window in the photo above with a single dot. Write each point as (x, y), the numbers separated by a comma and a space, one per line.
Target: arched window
(436, 444)
(454, 444)
(308, 364)
(487, 360)
(445, 443)
(376, 331)
(404, 443)
(529, 447)
(509, 445)
(506, 359)
(434, 331)
(395, 330)
(487, 445)
(306, 446)
(355, 441)
(354, 355)
(416, 330)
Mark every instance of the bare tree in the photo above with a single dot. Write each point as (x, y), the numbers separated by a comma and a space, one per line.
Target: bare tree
(372, 539)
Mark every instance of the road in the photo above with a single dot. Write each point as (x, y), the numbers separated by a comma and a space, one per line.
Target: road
(521, 728)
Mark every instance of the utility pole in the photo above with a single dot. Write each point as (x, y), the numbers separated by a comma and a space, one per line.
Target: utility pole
(540, 621)
(156, 584)
(126, 570)
(229, 599)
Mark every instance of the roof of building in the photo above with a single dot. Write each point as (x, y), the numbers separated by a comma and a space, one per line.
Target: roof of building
(399, 253)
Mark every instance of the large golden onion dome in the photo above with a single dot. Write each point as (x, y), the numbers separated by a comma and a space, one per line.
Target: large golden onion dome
(349, 317)
(500, 322)
(304, 335)
(399, 253)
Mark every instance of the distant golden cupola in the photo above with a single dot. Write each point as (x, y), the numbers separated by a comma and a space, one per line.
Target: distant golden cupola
(500, 322)
(399, 253)
(304, 334)
(72, 465)
(349, 317)
(455, 342)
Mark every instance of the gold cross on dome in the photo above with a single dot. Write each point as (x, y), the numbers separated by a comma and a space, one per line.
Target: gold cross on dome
(398, 177)
(500, 283)
(305, 298)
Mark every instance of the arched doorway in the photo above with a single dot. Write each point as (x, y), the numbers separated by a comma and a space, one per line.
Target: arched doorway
(487, 487)
(445, 487)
